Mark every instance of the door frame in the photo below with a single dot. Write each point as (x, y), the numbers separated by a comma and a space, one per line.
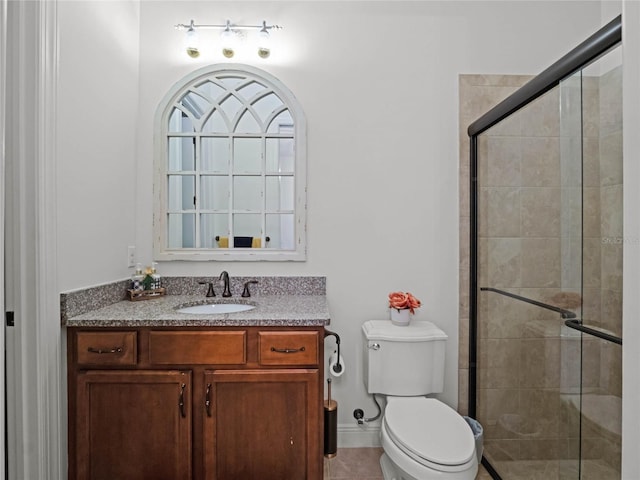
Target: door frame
(3, 83)
(35, 381)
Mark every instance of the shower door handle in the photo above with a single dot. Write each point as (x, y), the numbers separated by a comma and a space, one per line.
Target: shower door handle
(577, 325)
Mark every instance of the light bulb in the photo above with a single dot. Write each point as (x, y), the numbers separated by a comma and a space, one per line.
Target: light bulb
(263, 42)
(191, 43)
(227, 38)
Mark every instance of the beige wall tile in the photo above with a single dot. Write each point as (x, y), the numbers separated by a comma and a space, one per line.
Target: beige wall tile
(611, 208)
(571, 255)
(483, 261)
(591, 264)
(540, 262)
(541, 162)
(590, 362)
(610, 368)
(611, 101)
(464, 241)
(463, 391)
(591, 162)
(591, 212)
(591, 109)
(540, 212)
(611, 269)
(503, 316)
(504, 264)
(539, 360)
(463, 344)
(591, 304)
(502, 450)
(611, 159)
(503, 211)
(499, 352)
(542, 449)
(492, 403)
(503, 162)
(570, 360)
(611, 318)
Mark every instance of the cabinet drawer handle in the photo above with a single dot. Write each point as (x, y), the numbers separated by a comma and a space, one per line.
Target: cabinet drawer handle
(287, 350)
(207, 400)
(181, 401)
(107, 350)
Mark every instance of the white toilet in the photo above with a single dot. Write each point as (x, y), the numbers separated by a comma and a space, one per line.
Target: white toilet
(422, 437)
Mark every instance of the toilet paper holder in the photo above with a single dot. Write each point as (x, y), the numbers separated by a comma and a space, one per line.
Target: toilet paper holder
(338, 366)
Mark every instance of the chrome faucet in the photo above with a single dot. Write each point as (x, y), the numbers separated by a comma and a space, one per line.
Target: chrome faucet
(224, 280)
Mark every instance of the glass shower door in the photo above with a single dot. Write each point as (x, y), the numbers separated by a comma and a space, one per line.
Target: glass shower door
(529, 274)
(549, 245)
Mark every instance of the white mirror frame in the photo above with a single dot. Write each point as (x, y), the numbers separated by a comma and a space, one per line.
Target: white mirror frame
(160, 237)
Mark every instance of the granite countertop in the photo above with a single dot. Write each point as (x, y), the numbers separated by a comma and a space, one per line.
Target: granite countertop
(271, 310)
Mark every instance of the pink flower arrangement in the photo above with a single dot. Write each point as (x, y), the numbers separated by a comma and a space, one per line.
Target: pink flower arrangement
(402, 301)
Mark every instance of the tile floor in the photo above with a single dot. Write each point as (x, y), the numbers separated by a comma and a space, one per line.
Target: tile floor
(363, 464)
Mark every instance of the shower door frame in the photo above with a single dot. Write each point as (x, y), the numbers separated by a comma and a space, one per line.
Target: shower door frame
(593, 47)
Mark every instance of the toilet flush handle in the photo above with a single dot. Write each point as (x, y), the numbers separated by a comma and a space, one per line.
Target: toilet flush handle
(374, 346)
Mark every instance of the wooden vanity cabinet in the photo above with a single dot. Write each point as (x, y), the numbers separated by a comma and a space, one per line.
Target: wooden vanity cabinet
(128, 426)
(222, 403)
(258, 424)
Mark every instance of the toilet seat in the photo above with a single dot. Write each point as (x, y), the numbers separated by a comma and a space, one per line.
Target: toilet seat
(430, 432)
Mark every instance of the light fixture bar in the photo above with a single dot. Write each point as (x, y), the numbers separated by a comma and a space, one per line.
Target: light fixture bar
(232, 26)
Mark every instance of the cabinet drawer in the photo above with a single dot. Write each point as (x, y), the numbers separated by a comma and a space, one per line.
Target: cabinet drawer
(106, 348)
(288, 348)
(199, 348)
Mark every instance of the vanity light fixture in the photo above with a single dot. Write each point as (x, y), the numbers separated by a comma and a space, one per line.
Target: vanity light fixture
(229, 37)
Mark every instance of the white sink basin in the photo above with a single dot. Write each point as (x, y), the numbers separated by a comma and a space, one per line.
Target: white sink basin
(216, 308)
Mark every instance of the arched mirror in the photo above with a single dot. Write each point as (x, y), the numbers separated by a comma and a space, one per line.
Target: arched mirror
(230, 168)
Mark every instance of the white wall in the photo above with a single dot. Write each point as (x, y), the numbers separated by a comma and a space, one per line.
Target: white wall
(378, 82)
(97, 125)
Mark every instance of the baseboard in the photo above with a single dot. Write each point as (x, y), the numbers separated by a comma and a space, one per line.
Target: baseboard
(355, 436)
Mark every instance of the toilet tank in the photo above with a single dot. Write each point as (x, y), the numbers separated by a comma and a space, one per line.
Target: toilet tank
(403, 361)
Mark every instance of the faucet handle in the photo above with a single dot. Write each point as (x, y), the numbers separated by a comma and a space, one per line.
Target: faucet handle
(210, 292)
(246, 292)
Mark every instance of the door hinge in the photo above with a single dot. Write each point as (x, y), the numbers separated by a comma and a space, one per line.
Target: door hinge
(10, 322)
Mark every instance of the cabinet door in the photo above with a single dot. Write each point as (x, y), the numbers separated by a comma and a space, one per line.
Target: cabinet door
(263, 424)
(133, 425)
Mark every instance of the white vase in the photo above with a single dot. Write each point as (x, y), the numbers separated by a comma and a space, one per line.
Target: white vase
(400, 317)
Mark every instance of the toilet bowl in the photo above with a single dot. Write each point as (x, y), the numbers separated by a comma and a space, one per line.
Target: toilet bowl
(422, 438)
(425, 439)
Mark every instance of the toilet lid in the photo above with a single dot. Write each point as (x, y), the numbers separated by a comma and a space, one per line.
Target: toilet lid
(428, 429)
